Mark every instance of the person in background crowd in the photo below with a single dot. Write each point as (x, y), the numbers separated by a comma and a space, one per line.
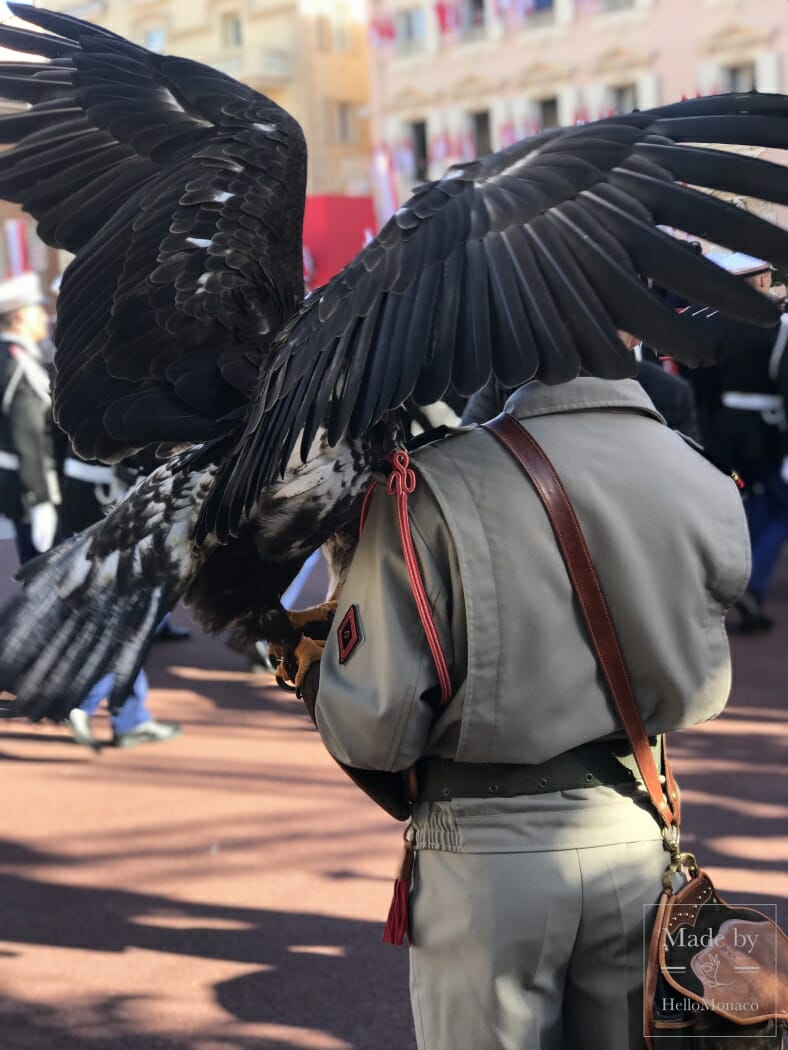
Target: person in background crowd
(672, 395)
(743, 398)
(88, 489)
(29, 491)
(167, 631)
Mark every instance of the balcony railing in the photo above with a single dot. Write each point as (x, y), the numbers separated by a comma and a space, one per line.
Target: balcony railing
(229, 62)
(272, 65)
(540, 15)
(475, 29)
(543, 17)
(409, 45)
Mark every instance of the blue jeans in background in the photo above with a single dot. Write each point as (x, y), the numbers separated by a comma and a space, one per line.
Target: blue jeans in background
(767, 515)
(134, 710)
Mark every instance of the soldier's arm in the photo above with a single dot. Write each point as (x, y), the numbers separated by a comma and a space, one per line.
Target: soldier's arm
(28, 426)
(378, 685)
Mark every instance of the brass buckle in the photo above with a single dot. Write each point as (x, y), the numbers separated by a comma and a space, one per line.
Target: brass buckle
(671, 836)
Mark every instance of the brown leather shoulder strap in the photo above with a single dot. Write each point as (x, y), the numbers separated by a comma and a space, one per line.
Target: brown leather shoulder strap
(571, 542)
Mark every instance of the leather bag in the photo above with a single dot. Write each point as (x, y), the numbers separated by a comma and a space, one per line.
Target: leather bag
(716, 975)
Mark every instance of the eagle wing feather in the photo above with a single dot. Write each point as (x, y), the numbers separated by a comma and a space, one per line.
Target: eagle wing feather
(175, 185)
(180, 192)
(525, 264)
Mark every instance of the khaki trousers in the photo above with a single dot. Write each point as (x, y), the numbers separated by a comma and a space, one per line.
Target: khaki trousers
(533, 950)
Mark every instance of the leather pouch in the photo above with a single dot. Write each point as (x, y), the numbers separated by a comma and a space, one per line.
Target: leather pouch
(715, 974)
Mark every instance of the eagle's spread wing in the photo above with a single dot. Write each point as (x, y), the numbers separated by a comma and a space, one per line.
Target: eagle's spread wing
(181, 193)
(524, 264)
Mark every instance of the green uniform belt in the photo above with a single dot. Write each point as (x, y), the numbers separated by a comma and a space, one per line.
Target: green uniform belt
(601, 762)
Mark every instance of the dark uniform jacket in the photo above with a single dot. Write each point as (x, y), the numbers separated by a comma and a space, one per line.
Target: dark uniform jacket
(27, 468)
(672, 397)
(742, 398)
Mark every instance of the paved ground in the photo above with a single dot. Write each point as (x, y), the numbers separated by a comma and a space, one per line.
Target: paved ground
(226, 890)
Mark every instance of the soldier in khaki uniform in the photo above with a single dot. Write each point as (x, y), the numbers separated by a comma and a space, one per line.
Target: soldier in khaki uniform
(526, 910)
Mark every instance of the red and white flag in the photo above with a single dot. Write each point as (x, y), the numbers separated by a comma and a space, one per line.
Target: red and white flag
(528, 126)
(382, 33)
(511, 12)
(507, 133)
(449, 18)
(16, 247)
(385, 185)
(405, 158)
(439, 149)
(468, 149)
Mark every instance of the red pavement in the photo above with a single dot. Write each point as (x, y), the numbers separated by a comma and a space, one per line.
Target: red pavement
(226, 890)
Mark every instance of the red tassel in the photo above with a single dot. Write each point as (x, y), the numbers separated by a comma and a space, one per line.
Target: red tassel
(396, 929)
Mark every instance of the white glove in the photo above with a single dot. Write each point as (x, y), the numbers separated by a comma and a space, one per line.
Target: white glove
(43, 523)
(784, 471)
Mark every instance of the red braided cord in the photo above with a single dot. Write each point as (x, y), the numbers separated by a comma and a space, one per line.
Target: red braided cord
(402, 481)
(365, 507)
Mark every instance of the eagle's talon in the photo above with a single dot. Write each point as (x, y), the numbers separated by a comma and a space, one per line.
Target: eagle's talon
(307, 652)
(293, 668)
(281, 678)
(323, 613)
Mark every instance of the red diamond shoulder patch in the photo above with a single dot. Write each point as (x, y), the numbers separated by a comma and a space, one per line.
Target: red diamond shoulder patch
(349, 634)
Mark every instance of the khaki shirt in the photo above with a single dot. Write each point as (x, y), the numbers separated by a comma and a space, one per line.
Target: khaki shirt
(667, 534)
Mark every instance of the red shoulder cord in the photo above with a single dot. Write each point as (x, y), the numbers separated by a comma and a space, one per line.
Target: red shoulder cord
(400, 483)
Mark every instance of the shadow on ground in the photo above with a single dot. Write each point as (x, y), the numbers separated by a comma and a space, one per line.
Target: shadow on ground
(297, 954)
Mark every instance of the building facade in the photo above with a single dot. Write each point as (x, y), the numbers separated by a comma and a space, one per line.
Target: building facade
(310, 56)
(390, 92)
(451, 81)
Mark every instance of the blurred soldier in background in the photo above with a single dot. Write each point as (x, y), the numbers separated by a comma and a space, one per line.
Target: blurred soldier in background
(29, 492)
(743, 399)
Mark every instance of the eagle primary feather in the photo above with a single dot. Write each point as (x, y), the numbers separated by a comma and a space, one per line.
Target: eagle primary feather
(182, 322)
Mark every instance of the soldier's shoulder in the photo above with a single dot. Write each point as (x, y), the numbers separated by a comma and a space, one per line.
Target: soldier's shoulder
(436, 436)
(427, 449)
(433, 443)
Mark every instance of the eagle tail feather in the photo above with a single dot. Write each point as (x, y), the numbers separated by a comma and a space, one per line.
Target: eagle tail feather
(92, 604)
